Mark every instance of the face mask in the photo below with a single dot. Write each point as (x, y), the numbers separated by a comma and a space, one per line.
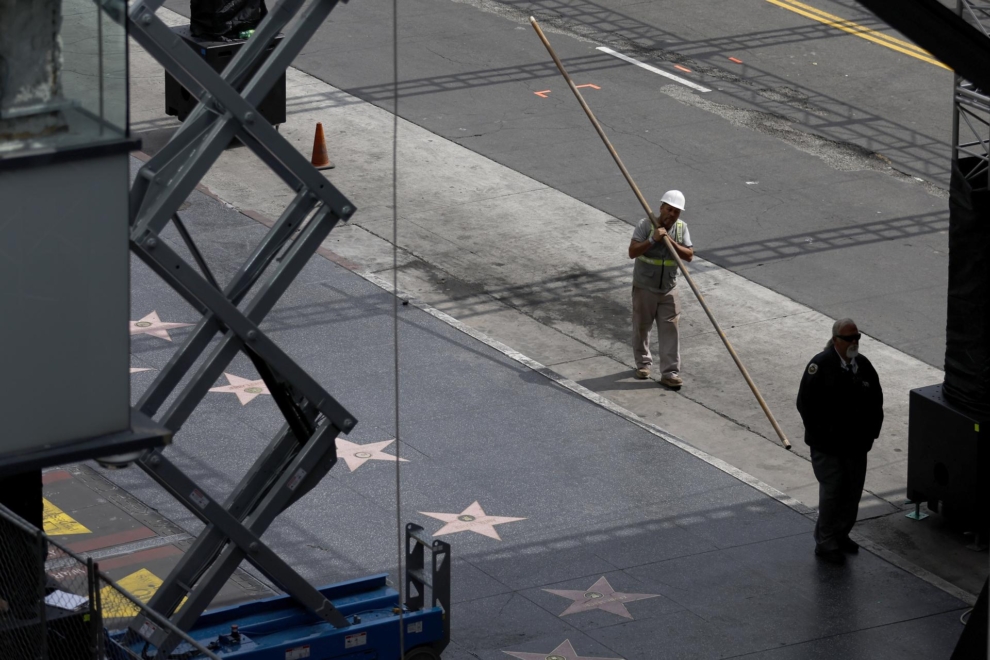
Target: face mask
(852, 352)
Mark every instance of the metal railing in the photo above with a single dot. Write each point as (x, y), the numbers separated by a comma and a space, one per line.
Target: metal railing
(971, 106)
(437, 579)
(57, 605)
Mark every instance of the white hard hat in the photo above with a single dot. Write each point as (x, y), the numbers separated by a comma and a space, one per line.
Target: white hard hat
(673, 197)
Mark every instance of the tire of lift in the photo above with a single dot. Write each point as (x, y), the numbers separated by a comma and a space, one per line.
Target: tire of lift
(421, 653)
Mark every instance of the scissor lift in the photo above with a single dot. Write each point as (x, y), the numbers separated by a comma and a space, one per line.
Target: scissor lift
(361, 618)
(280, 628)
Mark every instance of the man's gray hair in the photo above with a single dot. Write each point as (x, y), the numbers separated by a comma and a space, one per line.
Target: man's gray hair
(836, 327)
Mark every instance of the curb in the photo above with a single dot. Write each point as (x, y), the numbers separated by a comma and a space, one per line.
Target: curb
(748, 479)
(629, 416)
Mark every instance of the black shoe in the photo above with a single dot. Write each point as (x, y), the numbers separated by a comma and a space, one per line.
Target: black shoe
(849, 546)
(834, 557)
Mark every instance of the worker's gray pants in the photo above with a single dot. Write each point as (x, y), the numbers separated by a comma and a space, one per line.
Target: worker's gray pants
(840, 487)
(664, 309)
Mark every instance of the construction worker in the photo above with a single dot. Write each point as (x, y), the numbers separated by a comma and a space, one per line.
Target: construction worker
(841, 404)
(654, 293)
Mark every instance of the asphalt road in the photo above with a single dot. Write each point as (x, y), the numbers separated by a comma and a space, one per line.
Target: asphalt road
(816, 165)
(867, 97)
(798, 166)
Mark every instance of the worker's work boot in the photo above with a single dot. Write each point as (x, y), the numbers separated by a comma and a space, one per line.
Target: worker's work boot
(642, 373)
(671, 380)
(834, 557)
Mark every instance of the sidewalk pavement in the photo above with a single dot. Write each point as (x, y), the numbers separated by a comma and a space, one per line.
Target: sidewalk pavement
(576, 530)
(548, 275)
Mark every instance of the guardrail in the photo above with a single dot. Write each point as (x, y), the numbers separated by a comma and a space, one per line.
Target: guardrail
(438, 580)
(57, 605)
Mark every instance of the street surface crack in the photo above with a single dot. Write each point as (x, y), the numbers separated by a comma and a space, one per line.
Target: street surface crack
(843, 156)
(442, 56)
(792, 97)
(316, 546)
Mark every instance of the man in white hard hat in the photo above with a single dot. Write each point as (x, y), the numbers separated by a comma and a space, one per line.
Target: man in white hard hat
(654, 296)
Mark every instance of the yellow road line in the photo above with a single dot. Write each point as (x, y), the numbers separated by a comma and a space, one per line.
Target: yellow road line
(881, 35)
(858, 30)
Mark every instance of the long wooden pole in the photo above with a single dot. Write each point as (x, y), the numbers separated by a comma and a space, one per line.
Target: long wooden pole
(666, 240)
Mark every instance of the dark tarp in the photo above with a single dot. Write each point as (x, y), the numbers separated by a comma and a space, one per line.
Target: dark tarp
(967, 333)
(940, 31)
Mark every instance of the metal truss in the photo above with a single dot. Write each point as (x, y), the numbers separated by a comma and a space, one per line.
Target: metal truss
(971, 105)
(961, 40)
(304, 450)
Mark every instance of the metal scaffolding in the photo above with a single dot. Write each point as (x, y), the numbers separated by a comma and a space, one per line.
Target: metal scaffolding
(971, 105)
(304, 450)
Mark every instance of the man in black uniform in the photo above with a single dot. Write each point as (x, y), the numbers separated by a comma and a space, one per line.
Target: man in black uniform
(841, 403)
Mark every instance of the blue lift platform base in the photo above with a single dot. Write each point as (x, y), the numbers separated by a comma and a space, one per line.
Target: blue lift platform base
(279, 628)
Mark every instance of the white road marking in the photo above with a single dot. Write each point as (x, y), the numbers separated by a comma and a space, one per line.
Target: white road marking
(661, 72)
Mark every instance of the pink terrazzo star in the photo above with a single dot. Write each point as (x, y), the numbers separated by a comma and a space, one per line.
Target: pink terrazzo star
(246, 390)
(154, 326)
(600, 596)
(472, 519)
(563, 652)
(356, 455)
(137, 370)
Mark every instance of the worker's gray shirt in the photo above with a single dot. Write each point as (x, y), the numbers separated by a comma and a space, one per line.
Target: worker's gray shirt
(656, 270)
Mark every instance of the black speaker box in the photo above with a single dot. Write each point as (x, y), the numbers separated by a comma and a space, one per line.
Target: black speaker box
(948, 459)
(179, 102)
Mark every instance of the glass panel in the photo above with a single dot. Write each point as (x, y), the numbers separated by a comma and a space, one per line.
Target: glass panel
(70, 85)
(115, 104)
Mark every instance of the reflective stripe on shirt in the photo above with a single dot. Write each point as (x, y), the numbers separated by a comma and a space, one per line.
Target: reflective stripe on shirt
(678, 237)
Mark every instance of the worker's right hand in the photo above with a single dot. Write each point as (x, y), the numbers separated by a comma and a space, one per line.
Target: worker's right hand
(658, 234)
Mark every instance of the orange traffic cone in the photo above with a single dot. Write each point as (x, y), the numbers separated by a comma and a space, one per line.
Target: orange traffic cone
(321, 160)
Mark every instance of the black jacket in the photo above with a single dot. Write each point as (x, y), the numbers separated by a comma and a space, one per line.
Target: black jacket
(842, 411)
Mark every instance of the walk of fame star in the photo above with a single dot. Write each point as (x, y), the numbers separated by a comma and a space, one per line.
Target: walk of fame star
(154, 326)
(356, 455)
(563, 652)
(471, 519)
(137, 370)
(245, 389)
(600, 596)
